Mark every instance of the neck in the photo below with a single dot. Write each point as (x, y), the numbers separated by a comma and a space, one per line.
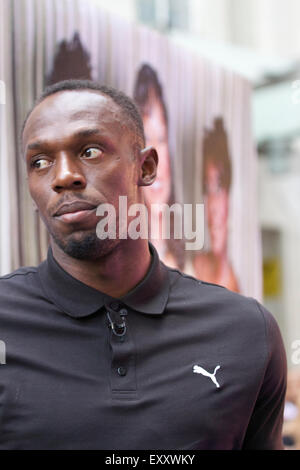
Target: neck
(114, 274)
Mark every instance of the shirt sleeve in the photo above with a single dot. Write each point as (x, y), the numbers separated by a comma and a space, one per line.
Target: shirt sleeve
(265, 426)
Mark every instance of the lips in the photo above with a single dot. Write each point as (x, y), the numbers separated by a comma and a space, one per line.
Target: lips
(77, 206)
(77, 212)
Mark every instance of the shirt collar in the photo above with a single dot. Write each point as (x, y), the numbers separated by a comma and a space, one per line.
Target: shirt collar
(79, 300)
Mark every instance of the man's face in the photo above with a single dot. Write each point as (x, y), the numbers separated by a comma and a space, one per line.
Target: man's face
(79, 154)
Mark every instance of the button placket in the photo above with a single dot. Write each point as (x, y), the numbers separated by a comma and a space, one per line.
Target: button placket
(123, 364)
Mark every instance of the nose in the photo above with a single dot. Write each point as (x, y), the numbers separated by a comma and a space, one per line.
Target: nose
(68, 174)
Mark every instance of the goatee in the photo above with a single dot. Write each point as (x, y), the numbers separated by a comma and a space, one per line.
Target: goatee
(90, 247)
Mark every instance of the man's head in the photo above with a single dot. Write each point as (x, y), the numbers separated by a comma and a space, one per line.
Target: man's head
(84, 145)
(127, 107)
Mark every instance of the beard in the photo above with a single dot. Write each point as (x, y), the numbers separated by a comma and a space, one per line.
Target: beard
(87, 247)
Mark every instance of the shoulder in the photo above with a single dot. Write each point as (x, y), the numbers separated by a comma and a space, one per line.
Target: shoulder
(219, 304)
(17, 275)
(205, 291)
(244, 325)
(19, 291)
(24, 277)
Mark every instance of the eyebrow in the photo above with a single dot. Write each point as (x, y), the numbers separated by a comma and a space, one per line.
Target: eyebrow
(78, 135)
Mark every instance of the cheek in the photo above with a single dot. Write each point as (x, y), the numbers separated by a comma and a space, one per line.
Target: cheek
(34, 190)
(40, 193)
(113, 182)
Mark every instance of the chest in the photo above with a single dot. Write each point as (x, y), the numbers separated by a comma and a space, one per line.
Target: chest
(134, 393)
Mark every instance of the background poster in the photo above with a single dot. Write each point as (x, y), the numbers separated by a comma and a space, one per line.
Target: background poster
(196, 113)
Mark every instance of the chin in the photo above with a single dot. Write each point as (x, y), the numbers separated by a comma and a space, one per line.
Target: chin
(86, 247)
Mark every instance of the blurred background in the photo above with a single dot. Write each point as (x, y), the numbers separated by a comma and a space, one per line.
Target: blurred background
(250, 49)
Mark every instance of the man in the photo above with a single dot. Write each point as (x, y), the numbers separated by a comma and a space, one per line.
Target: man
(106, 347)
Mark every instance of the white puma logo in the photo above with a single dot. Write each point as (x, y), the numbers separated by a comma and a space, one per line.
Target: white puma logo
(200, 370)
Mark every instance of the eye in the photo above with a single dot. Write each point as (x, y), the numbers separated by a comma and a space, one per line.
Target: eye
(40, 163)
(92, 152)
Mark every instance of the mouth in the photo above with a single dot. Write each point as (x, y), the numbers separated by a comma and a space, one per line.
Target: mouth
(74, 212)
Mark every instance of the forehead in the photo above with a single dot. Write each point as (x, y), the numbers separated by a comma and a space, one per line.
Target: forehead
(58, 115)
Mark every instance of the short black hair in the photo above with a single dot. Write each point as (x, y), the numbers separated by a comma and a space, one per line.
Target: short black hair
(126, 105)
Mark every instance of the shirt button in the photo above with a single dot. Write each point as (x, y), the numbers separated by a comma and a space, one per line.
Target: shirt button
(122, 371)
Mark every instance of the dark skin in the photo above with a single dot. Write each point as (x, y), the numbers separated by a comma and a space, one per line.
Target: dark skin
(79, 147)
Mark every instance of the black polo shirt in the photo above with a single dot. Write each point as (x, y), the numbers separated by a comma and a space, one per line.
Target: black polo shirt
(187, 365)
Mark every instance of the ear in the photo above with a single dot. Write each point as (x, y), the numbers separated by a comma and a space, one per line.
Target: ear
(148, 160)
